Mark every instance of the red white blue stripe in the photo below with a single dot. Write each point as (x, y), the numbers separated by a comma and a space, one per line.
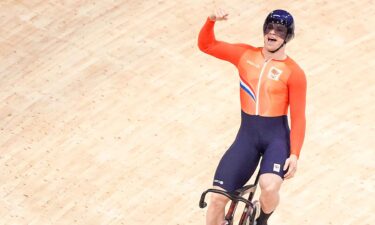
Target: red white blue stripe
(247, 88)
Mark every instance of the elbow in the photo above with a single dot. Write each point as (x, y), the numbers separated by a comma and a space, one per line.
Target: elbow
(206, 47)
(203, 46)
(298, 122)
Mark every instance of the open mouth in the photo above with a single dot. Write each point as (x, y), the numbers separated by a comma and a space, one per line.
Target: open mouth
(271, 39)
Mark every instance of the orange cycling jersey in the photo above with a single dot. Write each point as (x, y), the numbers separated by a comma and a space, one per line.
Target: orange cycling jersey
(267, 87)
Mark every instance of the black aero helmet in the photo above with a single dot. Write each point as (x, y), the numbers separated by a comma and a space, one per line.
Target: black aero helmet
(280, 16)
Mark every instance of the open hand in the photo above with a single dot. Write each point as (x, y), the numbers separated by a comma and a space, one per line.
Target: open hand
(291, 166)
(220, 14)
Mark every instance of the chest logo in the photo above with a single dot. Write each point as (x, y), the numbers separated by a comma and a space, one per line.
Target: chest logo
(274, 73)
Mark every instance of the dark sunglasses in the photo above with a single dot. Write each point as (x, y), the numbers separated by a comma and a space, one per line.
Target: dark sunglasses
(279, 29)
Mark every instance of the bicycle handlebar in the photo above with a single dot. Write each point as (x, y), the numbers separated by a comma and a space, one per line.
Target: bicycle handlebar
(237, 196)
(232, 197)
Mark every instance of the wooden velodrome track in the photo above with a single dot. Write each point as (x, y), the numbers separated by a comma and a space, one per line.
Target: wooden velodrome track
(110, 114)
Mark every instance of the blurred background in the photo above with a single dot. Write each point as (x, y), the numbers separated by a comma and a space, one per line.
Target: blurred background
(110, 114)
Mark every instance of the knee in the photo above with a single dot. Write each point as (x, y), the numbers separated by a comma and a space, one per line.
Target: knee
(270, 185)
(269, 188)
(218, 201)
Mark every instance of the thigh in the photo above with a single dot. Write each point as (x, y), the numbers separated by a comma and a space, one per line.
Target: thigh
(274, 157)
(237, 164)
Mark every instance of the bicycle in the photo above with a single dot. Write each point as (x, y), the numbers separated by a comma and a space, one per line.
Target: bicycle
(251, 210)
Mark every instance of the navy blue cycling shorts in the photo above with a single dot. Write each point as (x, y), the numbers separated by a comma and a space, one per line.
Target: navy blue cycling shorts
(259, 138)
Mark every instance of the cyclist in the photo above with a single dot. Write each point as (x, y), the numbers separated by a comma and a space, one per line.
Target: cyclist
(270, 82)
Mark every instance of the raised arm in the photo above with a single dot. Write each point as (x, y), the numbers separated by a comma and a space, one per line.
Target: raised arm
(222, 50)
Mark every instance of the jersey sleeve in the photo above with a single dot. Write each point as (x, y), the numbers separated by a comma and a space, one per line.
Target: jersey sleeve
(297, 103)
(219, 49)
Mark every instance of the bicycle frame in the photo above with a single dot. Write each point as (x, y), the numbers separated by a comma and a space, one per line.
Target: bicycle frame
(235, 198)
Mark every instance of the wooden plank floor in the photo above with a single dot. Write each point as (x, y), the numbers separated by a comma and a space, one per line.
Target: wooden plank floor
(109, 113)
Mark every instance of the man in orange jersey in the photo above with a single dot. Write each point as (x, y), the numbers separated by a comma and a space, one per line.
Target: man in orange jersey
(270, 82)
